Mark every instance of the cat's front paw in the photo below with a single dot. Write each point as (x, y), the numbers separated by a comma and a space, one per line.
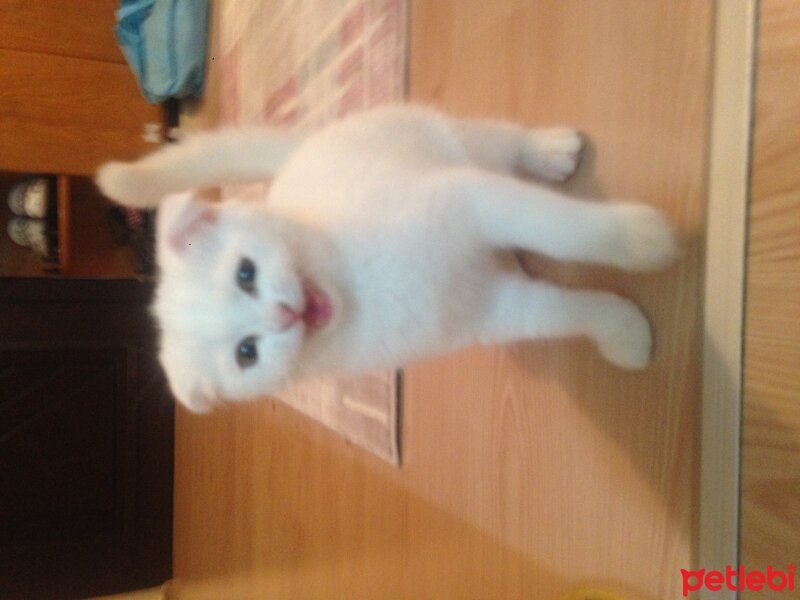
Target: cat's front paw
(624, 337)
(552, 154)
(646, 239)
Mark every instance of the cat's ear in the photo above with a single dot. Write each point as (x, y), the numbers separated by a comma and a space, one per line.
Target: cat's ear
(187, 221)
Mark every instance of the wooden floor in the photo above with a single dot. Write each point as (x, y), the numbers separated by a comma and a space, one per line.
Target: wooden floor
(531, 470)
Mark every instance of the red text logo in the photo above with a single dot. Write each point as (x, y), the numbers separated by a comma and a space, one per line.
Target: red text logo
(739, 580)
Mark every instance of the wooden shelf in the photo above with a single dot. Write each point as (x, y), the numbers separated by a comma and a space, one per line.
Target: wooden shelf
(63, 189)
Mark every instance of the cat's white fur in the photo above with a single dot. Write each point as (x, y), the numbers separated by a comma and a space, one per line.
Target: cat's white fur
(396, 214)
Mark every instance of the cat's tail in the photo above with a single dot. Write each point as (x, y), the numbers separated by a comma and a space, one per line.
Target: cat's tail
(204, 160)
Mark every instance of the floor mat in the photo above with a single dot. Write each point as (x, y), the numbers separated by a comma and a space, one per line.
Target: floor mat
(305, 63)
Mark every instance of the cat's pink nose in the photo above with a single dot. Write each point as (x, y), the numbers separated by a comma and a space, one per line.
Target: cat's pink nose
(287, 316)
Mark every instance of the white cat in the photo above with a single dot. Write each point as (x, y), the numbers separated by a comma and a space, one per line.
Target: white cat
(376, 245)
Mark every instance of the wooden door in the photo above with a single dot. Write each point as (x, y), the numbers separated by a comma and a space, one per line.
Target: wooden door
(77, 28)
(67, 99)
(85, 440)
(770, 525)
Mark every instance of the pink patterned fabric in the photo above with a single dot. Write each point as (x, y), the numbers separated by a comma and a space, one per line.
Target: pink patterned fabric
(325, 65)
(304, 63)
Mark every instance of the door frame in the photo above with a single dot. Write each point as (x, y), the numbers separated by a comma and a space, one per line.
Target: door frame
(723, 342)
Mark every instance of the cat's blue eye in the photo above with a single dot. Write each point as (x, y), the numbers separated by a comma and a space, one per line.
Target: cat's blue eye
(246, 275)
(247, 352)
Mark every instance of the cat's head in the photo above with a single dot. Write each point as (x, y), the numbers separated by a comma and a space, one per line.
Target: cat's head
(238, 300)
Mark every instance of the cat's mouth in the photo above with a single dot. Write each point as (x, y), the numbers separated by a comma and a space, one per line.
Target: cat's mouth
(318, 310)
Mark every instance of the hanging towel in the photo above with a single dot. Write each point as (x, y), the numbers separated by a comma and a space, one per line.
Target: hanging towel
(164, 42)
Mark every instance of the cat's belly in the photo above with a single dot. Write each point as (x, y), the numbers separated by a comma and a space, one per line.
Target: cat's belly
(410, 302)
(368, 161)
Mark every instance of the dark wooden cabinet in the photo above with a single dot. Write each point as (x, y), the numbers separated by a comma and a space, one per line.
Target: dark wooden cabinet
(86, 430)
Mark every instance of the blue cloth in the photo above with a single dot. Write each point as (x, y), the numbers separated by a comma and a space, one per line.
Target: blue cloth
(164, 42)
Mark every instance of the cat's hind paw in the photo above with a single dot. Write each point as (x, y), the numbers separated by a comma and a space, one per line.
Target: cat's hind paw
(552, 154)
(625, 338)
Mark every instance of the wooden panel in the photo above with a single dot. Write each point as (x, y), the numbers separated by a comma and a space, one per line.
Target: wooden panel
(67, 115)
(85, 440)
(770, 526)
(528, 470)
(57, 487)
(64, 207)
(79, 28)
